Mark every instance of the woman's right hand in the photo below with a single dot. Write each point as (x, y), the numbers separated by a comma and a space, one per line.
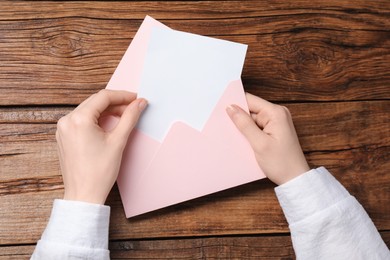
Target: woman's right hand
(271, 133)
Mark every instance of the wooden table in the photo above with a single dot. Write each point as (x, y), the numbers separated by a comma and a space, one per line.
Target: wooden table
(328, 61)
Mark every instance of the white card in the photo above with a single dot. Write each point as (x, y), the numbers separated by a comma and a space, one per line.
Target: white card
(183, 78)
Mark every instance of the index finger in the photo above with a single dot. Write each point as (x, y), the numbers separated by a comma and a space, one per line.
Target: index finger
(257, 104)
(105, 98)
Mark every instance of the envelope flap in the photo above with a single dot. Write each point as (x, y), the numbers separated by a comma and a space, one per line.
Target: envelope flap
(191, 163)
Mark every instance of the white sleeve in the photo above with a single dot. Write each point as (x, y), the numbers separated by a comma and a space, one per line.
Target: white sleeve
(326, 222)
(76, 230)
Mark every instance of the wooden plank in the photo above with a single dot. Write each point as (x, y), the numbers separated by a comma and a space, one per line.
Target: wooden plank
(20, 10)
(313, 54)
(337, 126)
(55, 53)
(33, 115)
(201, 248)
(28, 149)
(22, 252)
(236, 211)
(256, 247)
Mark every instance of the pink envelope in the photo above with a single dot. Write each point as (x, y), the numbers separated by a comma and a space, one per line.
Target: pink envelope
(188, 164)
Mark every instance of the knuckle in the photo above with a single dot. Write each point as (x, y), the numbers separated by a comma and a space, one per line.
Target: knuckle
(282, 112)
(77, 120)
(286, 109)
(71, 120)
(103, 92)
(61, 124)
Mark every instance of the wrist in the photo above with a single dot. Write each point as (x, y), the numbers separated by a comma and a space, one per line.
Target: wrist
(84, 198)
(295, 173)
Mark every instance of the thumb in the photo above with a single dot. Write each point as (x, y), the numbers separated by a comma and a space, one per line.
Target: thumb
(129, 119)
(246, 125)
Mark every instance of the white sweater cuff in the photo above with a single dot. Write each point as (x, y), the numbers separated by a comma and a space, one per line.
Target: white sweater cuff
(309, 193)
(78, 224)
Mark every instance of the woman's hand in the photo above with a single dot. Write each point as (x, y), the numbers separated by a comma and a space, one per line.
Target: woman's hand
(271, 133)
(89, 156)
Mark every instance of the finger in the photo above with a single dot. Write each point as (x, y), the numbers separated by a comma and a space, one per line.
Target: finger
(261, 110)
(253, 115)
(114, 110)
(105, 98)
(246, 125)
(257, 104)
(129, 119)
(82, 104)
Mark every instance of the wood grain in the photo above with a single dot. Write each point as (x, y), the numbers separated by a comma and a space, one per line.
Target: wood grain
(28, 154)
(364, 172)
(298, 53)
(28, 149)
(327, 61)
(252, 247)
(33, 115)
(171, 10)
(203, 248)
(249, 209)
(207, 248)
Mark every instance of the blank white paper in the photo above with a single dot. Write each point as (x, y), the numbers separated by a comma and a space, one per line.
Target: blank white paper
(183, 78)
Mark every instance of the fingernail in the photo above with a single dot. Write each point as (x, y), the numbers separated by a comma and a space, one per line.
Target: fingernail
(142, 104)
(231, 110)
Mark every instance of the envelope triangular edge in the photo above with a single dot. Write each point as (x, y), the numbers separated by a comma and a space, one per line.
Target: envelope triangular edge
(205, 162)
